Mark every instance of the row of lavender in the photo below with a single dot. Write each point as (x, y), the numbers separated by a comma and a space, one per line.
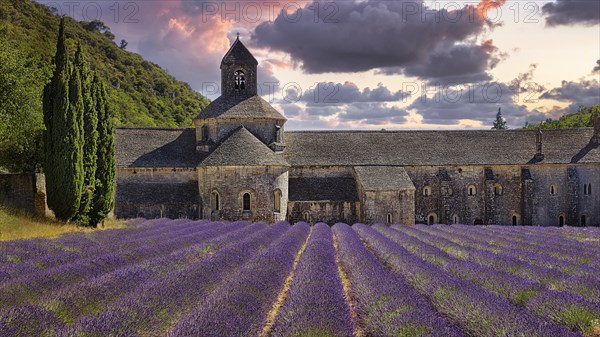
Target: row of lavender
(140, 289)
(200, 278)
(186, 278)
(546, 292)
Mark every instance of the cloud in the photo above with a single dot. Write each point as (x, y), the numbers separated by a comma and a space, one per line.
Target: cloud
(374, 113)
(455, 64)
(360, 36)
(524, 83)
(581, 93)
(474, 102)
(596, 68)
(348, 92)
(364, 114)
(572, 12)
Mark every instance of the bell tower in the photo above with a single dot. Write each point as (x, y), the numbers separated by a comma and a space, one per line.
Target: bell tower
(238, 71)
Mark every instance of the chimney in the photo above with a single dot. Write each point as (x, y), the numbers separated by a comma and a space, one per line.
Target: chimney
(596, 137)
(539, 146)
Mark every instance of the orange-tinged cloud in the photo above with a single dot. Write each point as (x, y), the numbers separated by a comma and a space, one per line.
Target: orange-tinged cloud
(486, 5)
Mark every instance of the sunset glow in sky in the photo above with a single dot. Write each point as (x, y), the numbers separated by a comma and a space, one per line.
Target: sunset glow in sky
(378, 64)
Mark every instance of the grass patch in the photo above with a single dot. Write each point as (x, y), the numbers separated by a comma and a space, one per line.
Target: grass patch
(16, 225)
(523, 296)
(580, 317)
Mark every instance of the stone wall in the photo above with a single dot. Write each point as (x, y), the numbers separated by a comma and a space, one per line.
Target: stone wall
(569, 199)
(232, 182)
(507, 195)
(155, 193)
(503, 194)
(377, 205)
(26, 191)
(329, 212)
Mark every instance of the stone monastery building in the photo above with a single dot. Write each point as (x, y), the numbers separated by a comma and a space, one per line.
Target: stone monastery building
(239, 163)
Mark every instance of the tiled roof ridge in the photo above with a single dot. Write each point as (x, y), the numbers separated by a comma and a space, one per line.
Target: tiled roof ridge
(433, 130)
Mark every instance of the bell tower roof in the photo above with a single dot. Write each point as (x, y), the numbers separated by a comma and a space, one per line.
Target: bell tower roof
(238, 54)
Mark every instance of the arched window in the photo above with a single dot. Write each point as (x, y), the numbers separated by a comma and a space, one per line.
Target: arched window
(561, 220)
(498, 189)
(553, 189)
(239, 79)
(432, 218)
(306, 216)
(583, 220)
(246, 202)
(180, 215)
(216, 201)
(587, 189)
(277, 201)
(427, 190)
(278, 134)
(472, 190)
(390, 218)
(204, 133)
(455, 219)
(516, 219)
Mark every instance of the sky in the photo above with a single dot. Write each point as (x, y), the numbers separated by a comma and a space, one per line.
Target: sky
(373, 64)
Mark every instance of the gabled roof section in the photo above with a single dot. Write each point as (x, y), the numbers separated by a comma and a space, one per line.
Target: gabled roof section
(383, 178)
(438, 148)
(238, 54)
(243, 148)
(243, 106)
(155, 147)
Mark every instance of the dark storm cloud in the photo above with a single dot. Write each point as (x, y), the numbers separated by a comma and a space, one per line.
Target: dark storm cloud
(596, 68)
(348, 92)
(454, 64)
(374, 113)
(582, 93)
(368, 113)
(572, 12)
(360, 36)
(478, 103)
(322, 110)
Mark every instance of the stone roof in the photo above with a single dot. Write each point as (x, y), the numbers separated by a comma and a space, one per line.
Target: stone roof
(323, 189)
(238, 53)
(438, 148)
(240, 106)
(243, 148)
(168, 193)
(156, 147)
(383, 178)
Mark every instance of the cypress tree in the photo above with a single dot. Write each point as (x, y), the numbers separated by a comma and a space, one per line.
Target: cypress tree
(63, 113)
(90, 125)
(104, 195)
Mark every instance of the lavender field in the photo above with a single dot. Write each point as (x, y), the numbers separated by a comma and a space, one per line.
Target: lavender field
(200, 278)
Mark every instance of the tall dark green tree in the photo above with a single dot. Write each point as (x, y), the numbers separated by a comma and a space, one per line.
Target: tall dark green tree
(104, 194)
(90, 125)
(63, 118)
(500, 122)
